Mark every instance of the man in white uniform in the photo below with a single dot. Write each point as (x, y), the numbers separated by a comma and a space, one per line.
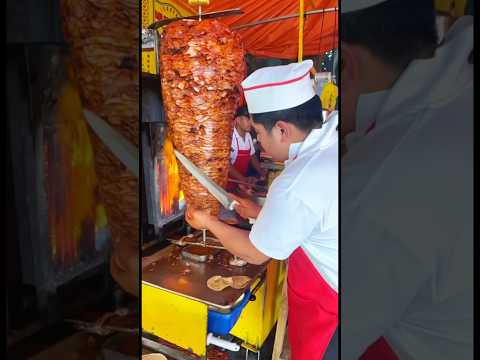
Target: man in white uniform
(299, 219)
(407, 189)
(243, 151)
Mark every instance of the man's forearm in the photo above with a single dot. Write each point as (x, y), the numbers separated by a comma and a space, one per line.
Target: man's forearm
(236, 241)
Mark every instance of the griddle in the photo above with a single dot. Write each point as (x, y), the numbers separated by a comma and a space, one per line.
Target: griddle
(172, 272)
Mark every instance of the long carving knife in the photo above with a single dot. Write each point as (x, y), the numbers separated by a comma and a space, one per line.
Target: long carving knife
(213, 188)
(125, 151)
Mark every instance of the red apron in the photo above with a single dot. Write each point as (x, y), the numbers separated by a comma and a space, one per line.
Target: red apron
(312, 309)
(241, 163)
(379, 350)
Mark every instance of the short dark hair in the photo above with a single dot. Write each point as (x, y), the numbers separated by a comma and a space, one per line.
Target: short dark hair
(242, 111)
(306, 116)
(396, 31)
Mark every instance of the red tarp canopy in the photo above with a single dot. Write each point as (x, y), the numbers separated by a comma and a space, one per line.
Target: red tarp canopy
(279, 39)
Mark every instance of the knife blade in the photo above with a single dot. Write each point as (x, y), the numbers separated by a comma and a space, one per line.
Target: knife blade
(126, 152)
(213, 188)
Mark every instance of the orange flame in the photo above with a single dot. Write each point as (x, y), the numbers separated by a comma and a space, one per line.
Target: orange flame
(71, 182)
(169, 181)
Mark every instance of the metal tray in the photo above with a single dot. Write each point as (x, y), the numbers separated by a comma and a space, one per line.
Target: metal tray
(172, 272)
(192, 252)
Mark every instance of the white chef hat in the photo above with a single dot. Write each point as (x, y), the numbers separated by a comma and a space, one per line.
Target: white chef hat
(354, 5)
(276, 88)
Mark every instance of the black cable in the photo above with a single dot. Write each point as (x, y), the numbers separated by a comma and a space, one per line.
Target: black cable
(321, 32)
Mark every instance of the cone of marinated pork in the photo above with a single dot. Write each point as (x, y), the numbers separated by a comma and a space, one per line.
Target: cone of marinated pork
(202, 65)
(103, 40)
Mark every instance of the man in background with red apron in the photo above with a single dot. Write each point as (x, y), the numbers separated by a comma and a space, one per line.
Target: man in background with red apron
(299, 220)
(243, 151)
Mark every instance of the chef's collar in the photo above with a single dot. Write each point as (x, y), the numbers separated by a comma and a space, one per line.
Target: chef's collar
(317, 139)
(419, 86)
(368, 107)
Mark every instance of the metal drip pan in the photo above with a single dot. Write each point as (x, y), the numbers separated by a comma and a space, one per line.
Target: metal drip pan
(198, 253)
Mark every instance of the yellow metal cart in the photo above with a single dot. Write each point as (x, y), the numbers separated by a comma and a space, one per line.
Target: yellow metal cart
(176, 304)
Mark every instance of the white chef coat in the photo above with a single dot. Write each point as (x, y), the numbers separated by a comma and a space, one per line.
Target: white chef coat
(243, 144)
(301, 208)
(407, 211)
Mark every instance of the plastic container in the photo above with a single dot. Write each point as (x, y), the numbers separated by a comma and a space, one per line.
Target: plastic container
(221, 323)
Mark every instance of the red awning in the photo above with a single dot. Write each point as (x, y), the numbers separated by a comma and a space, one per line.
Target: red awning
(279, 39)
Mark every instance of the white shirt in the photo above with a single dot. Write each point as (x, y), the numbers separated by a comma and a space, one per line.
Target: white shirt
(301, 208)
(407, 211)
(243, 144)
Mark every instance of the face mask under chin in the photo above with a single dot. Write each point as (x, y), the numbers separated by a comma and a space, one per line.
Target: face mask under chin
(293, 150)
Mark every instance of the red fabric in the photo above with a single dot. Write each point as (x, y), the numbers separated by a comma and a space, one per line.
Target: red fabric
(241, 163)
(279, 39)
(312, 309)
(379, 350)
(242, 101)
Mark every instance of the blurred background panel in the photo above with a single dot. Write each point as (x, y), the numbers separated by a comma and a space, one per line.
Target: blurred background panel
(58, 235)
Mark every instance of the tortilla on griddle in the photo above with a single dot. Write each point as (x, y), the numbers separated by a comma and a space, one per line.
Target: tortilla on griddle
(218, 283)
(239, 282)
